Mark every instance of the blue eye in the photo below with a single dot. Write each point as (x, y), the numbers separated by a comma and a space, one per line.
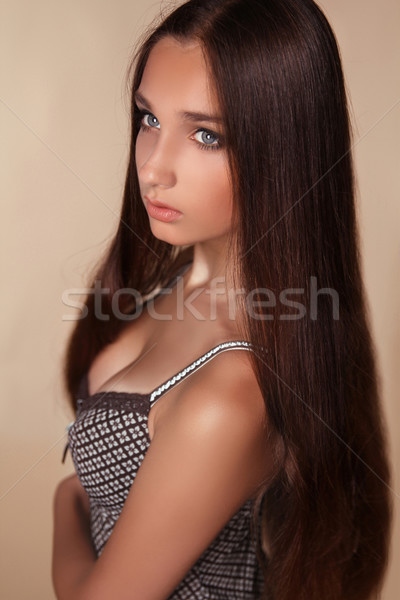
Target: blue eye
(207, 139)
(150, 120)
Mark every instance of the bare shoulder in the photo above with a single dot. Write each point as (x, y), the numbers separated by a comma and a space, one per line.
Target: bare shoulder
(225, 387)
(221, 406)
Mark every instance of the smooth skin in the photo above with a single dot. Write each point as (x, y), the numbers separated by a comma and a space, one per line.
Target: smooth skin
(208, 451)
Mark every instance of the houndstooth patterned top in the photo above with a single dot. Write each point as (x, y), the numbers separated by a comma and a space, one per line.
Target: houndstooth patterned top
(108, 442)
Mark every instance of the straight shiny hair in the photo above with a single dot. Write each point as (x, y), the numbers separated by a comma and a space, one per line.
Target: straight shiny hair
(324, 515)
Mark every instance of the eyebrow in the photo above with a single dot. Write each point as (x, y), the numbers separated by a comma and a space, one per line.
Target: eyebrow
(186, 115)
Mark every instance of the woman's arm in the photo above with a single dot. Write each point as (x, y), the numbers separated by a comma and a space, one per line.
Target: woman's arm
(203, 463)
(73, 553)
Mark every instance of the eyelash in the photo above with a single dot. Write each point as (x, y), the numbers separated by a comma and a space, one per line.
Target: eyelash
(140, 114)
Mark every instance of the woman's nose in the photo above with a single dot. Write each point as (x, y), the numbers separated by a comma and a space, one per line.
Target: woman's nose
(155, 162)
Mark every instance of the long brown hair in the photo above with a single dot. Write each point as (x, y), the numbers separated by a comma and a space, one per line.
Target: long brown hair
(276, 68)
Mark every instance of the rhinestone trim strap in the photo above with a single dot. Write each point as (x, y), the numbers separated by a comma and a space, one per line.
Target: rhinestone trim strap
(197, 364)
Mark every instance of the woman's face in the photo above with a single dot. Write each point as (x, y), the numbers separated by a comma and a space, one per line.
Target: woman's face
(180, 156)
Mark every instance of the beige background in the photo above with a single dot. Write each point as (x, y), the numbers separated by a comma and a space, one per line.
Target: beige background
(63, 116)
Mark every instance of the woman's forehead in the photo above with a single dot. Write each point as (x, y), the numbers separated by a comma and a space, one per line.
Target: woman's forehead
(177, 72)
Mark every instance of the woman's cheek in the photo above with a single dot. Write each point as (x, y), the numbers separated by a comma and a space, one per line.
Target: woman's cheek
(219, 193)
(142, 149)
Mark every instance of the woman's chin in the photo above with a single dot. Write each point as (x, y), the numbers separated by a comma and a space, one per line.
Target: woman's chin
(170, 237)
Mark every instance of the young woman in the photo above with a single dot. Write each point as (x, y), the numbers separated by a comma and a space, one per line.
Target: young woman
(228, 440)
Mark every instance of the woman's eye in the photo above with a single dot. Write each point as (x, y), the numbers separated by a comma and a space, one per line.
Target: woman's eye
(207, 138)
(150, 120)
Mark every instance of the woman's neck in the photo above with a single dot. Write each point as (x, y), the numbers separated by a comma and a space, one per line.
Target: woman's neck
(210, 261)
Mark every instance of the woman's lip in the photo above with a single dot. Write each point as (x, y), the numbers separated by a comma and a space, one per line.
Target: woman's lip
(161, 212)
(158, 203)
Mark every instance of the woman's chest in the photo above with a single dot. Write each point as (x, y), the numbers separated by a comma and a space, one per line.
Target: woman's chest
(108, 442)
